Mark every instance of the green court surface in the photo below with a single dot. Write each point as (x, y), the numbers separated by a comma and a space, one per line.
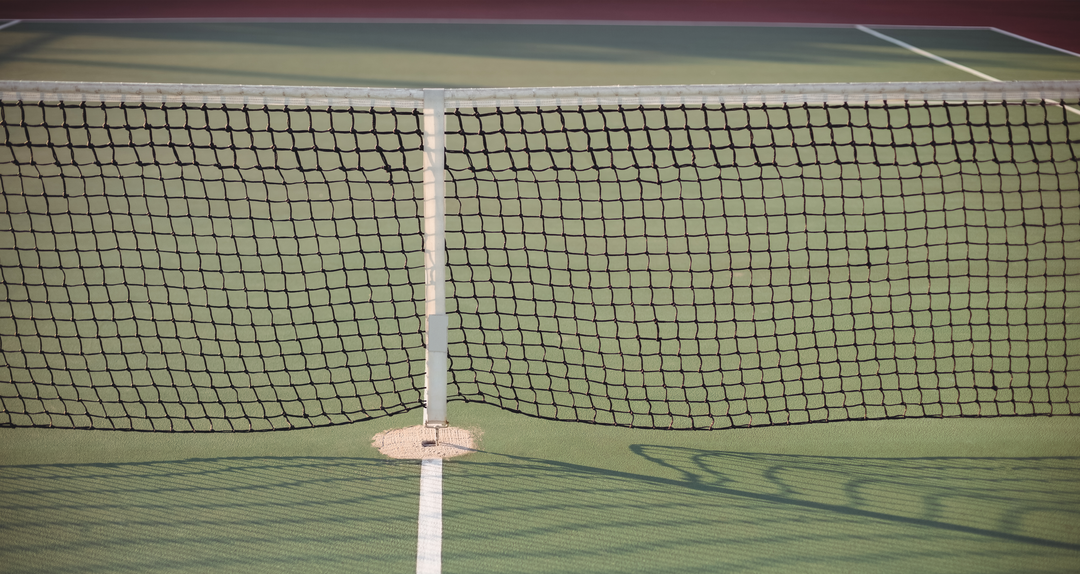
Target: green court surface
(928, 495)
(992, 495)
(490, 55)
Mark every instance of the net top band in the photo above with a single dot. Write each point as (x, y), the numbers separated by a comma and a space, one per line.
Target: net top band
(740, 94)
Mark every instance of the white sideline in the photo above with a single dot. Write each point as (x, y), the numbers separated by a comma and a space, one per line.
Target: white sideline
(429, 524)
(1036, 42)
(9, 24)
(953, 64)
(926, 54)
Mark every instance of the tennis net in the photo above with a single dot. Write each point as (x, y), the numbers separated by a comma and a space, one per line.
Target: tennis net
(197, 258)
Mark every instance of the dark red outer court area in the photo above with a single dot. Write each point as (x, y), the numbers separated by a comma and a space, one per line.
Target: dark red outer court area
(1055, 22)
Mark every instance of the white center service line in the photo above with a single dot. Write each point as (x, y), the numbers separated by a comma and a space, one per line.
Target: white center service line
(429, 531)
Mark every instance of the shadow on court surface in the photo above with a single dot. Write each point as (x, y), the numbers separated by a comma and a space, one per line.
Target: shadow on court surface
(718, 511)
(676, 510)
(460, 55)
(518, 41)
(260, 515)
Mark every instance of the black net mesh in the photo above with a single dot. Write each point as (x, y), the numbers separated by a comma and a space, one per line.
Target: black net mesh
(710, 267)
(208, 267)
(197, 267)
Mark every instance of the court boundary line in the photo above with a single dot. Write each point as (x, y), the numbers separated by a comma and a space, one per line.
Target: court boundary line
(961, 28)
(953, 64)
(429, 519)
(926, 54)
(1036, 42)
(10, 24)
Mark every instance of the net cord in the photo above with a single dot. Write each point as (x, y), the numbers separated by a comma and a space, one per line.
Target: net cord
(555, 96)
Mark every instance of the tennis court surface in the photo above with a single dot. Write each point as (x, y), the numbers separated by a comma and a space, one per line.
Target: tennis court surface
(708, 323)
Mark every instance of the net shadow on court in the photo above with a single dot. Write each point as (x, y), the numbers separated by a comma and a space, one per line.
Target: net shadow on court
(687, 510)
(258, 514)
(692, 509)
(699, 510)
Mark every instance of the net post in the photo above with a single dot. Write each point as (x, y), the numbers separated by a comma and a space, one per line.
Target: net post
(435, 258)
